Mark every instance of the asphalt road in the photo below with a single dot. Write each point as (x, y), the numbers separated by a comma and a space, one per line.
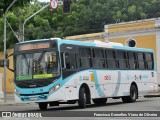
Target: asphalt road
(142, 104)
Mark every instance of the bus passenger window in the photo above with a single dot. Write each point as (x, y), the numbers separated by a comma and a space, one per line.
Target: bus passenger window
(73, 63)
(135, 61)
(111, 59)
(141, 61)
(149, 64)
(67, 61)
(84, 52)
(131, 59)
(98, 60)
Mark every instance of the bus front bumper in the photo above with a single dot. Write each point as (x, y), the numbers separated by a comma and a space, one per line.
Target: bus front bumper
(56, 96)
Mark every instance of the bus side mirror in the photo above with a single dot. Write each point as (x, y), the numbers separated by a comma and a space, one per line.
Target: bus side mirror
(1, 62)
(4, 63)
(7, 63)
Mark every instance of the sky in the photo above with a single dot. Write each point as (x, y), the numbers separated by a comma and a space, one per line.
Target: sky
(44, 0)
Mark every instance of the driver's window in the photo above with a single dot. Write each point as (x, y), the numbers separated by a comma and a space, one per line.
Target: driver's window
(69, 60)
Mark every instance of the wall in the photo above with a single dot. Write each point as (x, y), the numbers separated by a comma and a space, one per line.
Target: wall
(135, 25)
(146, 41)
(10, 75)
(87, 37)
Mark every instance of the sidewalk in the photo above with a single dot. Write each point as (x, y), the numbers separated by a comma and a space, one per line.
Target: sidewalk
(156, 94)
(9, 99)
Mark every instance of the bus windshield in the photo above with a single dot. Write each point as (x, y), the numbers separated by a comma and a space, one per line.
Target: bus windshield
(39, 65)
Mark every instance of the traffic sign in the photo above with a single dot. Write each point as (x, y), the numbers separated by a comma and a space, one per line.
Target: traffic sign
(54, 4)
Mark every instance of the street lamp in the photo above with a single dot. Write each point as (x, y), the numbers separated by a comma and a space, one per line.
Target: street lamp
(5, 16)
(32, 16)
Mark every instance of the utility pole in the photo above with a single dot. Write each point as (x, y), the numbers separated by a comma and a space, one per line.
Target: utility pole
(5, 19)
(20, 28)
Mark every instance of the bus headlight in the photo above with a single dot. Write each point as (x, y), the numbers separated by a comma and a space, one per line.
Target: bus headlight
(16, 92)
(54, 88)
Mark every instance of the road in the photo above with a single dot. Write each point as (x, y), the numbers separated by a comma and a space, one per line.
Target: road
(142, 104)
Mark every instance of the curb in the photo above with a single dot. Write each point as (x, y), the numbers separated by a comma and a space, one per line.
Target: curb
(156, 94)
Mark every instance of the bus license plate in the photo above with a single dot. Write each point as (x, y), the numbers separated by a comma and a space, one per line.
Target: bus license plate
(33, 98)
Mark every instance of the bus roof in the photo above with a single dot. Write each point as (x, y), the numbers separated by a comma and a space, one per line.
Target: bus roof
(93, 43)
(112, 45)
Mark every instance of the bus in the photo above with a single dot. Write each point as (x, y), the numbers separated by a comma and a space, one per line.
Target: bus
(55, 71)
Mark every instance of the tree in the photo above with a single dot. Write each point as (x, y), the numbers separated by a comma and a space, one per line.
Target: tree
(86, 16)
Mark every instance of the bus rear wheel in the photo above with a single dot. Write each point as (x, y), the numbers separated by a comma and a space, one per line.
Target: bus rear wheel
(43, 106)
(133, 95)
(100, 101)
(82, 98)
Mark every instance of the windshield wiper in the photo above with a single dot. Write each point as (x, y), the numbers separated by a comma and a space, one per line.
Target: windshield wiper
(41, 56)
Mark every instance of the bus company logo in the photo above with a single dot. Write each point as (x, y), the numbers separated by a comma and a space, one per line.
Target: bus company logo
(107, 77)
(85, 78)
(137, 77)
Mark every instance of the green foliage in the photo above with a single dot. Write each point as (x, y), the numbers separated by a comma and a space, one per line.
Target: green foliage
(5, 3)
(86, 16)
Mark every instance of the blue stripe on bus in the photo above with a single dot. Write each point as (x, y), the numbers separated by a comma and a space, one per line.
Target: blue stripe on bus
(99, 90)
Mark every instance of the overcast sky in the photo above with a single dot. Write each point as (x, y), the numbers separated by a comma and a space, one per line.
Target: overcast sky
(44, 0)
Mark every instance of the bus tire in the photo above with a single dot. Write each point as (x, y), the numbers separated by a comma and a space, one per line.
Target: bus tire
(43, 105)
(82, 98)
(100, 101)
(133, 95)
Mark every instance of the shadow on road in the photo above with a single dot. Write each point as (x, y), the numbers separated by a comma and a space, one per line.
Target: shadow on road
(75, 106)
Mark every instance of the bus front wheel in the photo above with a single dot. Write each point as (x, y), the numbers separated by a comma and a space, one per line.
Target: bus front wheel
(133, 95)
(82, 98)
(43, 105)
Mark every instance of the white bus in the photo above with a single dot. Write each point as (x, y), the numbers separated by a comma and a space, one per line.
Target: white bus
(56, 71)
